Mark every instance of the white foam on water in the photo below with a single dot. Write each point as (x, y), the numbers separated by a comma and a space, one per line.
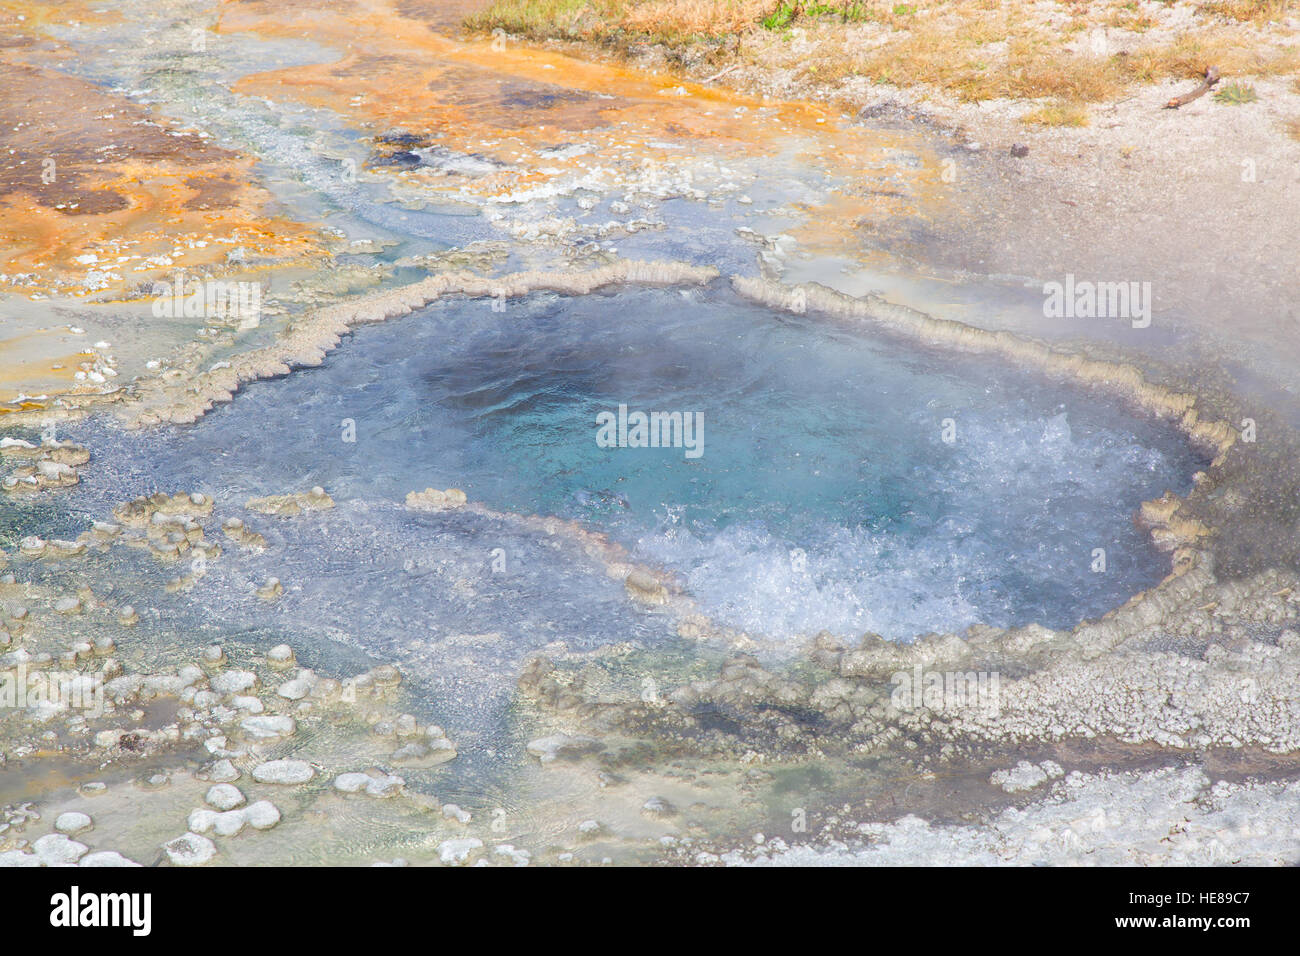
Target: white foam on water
(1008, 505)
(854, 581)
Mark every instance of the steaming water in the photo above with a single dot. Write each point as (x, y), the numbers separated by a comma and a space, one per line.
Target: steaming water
(825, 496)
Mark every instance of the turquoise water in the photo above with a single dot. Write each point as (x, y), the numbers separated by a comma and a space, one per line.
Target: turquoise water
(824, 496)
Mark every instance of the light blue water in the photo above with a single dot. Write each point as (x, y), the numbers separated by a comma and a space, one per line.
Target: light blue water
(825, 497)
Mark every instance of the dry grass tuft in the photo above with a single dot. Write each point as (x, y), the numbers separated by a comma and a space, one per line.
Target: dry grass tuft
(687, 18)
(541, 19)
(1058, 114)
(1250, 11)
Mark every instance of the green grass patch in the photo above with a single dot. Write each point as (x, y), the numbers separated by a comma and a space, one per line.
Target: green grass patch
(850, 12)
(1235, 94)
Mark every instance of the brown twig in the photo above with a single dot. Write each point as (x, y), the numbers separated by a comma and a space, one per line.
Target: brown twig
(1211, 77)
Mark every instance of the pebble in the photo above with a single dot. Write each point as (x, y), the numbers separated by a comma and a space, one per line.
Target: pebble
(154, 781)
(223, 796)
(190, 850)
(55, 849)
(73, 823)
(262, 815)
(439, 748)
(271, 590)
(281, 655)
(230, 823)
(283, 771)
(295, 689)
(379, 784)
(223, 771)
(456, 852)
(268, 727)
(233, 682)
(32, 546)
(658, 807)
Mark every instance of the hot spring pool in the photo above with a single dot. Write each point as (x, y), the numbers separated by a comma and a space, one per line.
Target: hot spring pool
(841, 482)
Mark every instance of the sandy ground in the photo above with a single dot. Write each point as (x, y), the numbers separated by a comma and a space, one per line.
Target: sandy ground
(1202, 202)
(1194, 201)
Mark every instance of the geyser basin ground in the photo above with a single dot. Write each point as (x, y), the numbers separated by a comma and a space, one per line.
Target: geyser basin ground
(550, 656)
(839, 482)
